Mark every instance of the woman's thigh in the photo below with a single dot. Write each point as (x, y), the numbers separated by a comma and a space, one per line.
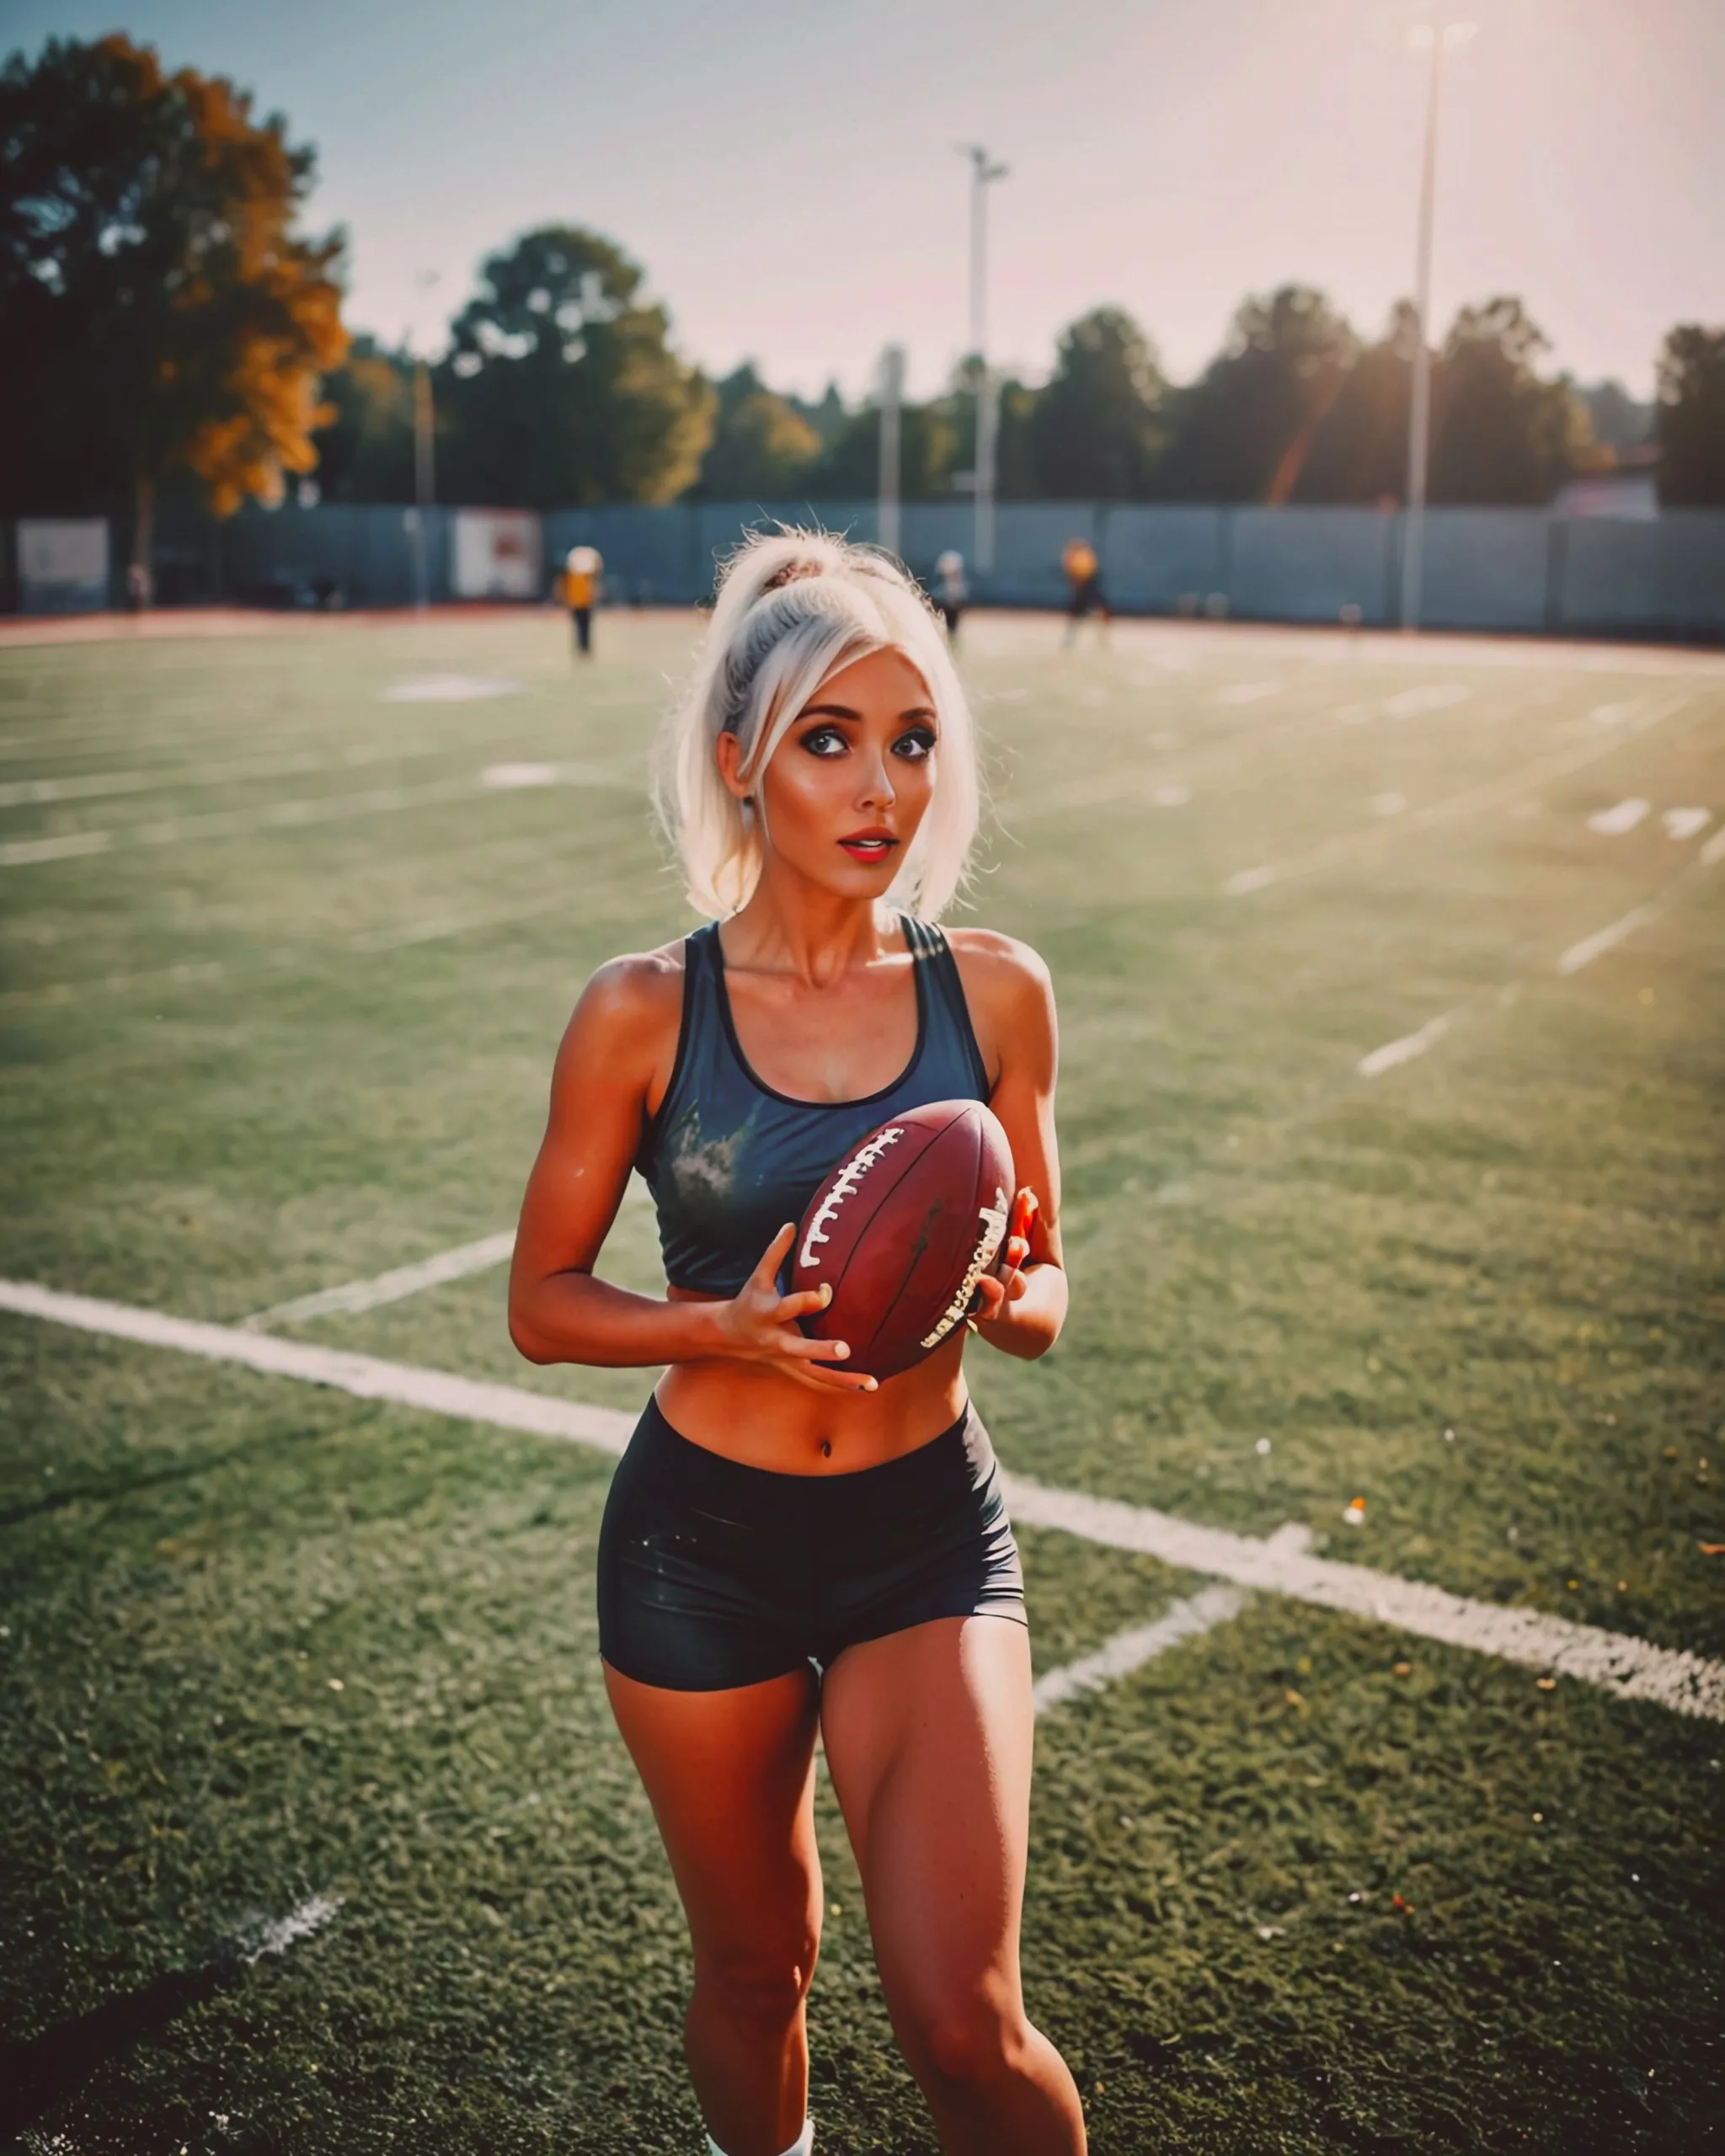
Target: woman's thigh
(928, 1741)
(731, 1778)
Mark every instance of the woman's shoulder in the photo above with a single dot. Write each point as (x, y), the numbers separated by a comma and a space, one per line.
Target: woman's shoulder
(1000, 965)
(632, 1001)
(1009, 990)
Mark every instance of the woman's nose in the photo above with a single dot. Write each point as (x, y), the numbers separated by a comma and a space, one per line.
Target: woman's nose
(877, 790)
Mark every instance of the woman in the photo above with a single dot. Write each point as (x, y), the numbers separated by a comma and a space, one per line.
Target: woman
(790, 1546)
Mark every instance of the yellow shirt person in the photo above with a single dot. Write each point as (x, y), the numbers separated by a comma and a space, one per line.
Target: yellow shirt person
(583, 569)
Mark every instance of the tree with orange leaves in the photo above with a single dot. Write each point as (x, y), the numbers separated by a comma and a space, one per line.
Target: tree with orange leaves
(161, 313)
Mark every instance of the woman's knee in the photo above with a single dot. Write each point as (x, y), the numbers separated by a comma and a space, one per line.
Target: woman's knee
(761, 1982)
(967, 2043)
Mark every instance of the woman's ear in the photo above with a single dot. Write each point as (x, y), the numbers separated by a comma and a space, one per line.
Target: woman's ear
(728, 752)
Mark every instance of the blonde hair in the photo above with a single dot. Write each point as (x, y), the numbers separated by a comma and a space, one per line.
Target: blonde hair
(793, 607)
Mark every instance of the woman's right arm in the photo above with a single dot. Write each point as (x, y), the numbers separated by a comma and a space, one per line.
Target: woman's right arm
(623, 1031)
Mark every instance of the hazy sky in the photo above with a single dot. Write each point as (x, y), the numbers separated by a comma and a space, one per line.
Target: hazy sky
(787, 174)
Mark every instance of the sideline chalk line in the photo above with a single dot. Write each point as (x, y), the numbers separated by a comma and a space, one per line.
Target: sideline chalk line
(1626, 1668)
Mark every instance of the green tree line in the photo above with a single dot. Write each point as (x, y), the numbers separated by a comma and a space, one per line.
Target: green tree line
(168, 325)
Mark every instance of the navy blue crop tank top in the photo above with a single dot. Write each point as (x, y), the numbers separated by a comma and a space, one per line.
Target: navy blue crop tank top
(728, 1161)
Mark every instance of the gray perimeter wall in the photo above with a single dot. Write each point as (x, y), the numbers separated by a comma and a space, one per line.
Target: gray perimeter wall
(1513, 570)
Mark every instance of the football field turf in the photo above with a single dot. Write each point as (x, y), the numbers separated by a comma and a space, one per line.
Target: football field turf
(1393, 1013)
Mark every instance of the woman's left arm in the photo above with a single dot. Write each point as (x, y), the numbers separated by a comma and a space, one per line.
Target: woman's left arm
(1021, 1309)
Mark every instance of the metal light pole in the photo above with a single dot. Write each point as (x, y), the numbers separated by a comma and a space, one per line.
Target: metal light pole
(892, 398)
(983, 172)
(425, 475)
(1437, 40)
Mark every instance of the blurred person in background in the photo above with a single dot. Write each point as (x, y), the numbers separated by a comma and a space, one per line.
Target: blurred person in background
(1084, 575)
(950, 590)
(583, 569)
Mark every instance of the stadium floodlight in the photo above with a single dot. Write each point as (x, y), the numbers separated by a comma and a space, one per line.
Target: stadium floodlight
(892, 399)
(984, 172)
(1436, 39)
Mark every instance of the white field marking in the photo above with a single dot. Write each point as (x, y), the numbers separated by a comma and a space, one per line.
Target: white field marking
(277, 815)
(1570, 962)
(1596, 947)
(1404, 1050)
(1616, 823)
(25, 853)
(402, 1281)
(443, 927)
(437, 1392)
(1412, 703)
(1610, 714)
(503, 778)
(1388, 805)
(1685, 823)
(1494, 793)
(1247, 692)
(28, 792)
(1631, 1668)
(405, 937)
(1130, 1650)
(89, 786)
(73, 991)
(393, 1287)
(1171, 797)
(448, 689)
(278, 1933)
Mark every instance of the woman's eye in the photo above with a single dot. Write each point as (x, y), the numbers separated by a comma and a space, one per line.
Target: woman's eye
(824, 741)
(916, 745)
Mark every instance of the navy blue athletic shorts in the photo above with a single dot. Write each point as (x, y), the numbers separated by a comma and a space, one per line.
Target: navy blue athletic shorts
(713, 1574)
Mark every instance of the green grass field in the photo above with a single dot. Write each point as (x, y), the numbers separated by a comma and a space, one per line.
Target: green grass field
(288, 1024)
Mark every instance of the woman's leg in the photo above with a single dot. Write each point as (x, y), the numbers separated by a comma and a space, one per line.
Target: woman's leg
(928, 1737)
(731, 1776)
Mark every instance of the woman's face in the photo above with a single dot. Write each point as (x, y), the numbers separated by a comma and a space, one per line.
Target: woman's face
(849, 784)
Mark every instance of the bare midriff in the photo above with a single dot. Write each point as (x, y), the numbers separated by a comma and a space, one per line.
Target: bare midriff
(759, 1419)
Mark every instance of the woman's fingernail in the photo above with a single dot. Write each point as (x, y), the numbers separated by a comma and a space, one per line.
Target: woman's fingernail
(826, 1292)
(839, 1351)
(871, 1385)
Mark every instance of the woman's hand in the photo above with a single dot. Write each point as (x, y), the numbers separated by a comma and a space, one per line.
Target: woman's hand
(1005, 1284)
(760, 1326)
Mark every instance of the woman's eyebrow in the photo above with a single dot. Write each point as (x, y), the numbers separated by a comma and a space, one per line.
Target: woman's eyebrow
(843, 711)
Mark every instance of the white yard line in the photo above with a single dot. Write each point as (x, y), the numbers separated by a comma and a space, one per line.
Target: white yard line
(391, 1287)
(1596, 947)
(276, 815)
(505, 1407)
(88, 786)
(1405, 1049)
(1494, 793)
(1130, 1650)
(1616, 823)
(402, 1281)
(1629, 1668)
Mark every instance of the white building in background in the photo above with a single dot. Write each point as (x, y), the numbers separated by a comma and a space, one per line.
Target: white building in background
(62, 564)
